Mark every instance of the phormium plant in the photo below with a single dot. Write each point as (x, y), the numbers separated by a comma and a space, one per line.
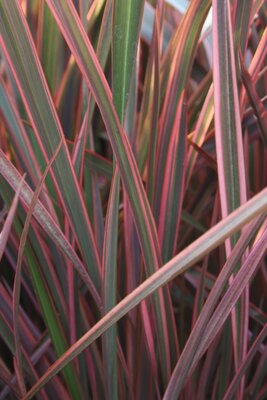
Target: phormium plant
(133, 169)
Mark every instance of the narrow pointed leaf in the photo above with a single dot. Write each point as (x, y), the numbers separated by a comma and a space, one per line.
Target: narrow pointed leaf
(155, 61)
(229, 144)
(242, 16)
(173, 187)
(127, 16)
(50, 47)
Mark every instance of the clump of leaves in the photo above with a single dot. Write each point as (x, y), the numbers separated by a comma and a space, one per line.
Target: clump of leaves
(133, 199)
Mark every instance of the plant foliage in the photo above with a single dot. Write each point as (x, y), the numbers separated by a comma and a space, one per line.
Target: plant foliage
(133, 171)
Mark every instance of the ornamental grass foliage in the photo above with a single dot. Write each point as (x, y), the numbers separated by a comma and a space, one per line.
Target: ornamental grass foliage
(133, 199)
